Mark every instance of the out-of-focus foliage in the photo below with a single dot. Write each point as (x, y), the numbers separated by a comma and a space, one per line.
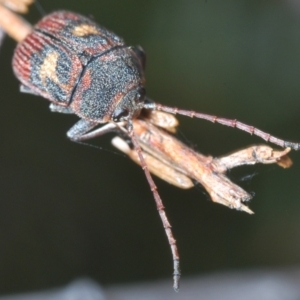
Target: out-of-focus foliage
(67, 210)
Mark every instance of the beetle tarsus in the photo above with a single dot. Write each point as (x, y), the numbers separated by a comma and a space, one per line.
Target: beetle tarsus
(176, 275)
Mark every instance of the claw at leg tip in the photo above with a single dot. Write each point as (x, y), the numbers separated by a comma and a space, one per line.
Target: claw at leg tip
(176, 287)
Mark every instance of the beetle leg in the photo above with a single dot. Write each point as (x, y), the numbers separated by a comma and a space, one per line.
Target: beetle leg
(61, 109)
(140, 53)
(27, 90)
(80, 131)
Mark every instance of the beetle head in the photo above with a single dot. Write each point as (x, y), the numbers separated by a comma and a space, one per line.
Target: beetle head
(130, 106)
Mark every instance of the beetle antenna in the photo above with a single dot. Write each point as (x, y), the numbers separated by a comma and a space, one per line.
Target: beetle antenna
(227, 122)
(159, 205)
(40, 8)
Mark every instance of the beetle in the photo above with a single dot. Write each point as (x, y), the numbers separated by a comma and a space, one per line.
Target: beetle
(84, 69)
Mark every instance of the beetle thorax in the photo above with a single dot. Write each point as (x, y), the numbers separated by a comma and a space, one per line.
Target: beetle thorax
(111, 87)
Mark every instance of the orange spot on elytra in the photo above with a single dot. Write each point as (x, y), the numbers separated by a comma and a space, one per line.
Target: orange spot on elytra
(48, 70)
(84, 29)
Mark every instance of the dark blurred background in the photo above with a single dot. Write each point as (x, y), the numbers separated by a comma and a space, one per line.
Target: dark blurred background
(68, 210)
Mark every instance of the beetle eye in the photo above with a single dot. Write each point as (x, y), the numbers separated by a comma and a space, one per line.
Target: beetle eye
(120, 114)
(141, 94)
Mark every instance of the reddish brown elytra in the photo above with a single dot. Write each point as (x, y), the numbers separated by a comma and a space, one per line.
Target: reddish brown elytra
(84, 69)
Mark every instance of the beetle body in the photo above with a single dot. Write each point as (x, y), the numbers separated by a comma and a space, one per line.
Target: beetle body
(84, 69)
(78, 64)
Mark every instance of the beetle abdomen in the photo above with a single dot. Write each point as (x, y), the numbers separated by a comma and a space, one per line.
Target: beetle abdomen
(50, 60)
(79, 34)
(47, 68)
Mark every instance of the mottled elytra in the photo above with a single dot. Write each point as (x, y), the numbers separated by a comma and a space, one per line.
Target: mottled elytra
(79, 65)
(87, 70)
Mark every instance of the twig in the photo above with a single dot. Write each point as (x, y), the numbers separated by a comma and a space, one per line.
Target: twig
(19, 6)
(174, 162)
(15, 26)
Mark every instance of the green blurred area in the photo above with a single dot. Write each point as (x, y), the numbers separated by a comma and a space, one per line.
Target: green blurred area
(67, 210)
